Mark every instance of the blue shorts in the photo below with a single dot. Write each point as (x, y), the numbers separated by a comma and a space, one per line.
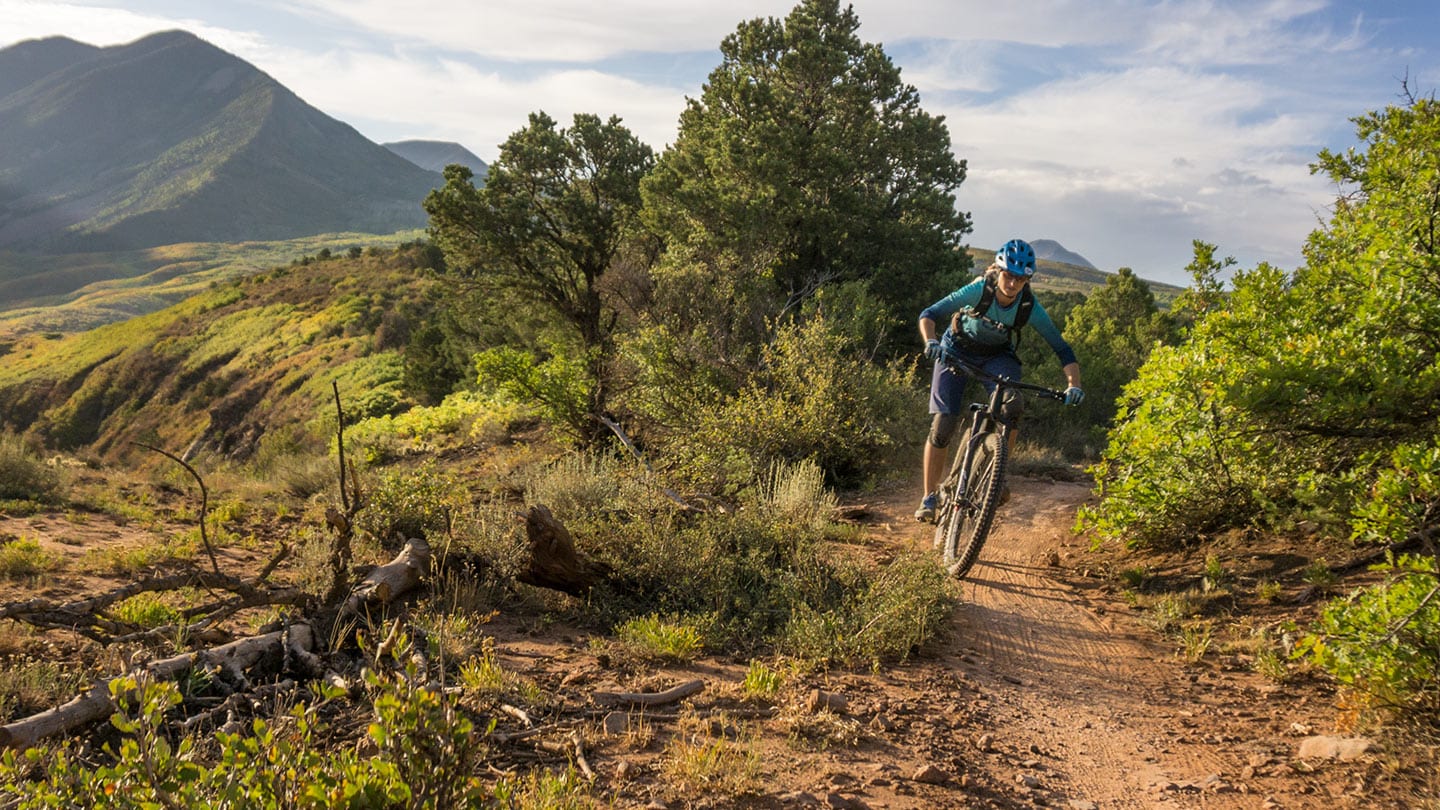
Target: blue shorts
(947, 389)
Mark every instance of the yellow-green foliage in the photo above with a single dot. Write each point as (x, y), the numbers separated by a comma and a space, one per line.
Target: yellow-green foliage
(147, 610)
(249, 357)
(1382, 640)
(158, 277)
(659, 639)
(23, 475)
(22, 557)
(463, 417)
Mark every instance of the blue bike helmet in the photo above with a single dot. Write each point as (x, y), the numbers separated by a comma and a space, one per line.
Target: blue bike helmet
(1017, 257)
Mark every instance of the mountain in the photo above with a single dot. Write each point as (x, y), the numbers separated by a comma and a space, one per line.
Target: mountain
(169, 139)
(29, 61)
(436, 155)
(1054, 251)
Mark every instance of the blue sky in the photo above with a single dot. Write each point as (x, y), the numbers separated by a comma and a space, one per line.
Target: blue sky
(1121, 128)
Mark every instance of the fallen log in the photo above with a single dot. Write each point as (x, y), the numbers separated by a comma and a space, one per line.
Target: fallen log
(386, 582)
(96, 704)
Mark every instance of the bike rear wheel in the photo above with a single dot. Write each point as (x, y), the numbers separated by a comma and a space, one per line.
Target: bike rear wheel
(966, 517)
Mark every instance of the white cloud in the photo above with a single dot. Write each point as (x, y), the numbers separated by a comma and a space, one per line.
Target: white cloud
(102, 25)
(553, 30)
(452, 100)
(1136, 164)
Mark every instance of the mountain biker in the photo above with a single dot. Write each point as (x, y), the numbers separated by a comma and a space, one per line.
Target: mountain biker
(984, 339)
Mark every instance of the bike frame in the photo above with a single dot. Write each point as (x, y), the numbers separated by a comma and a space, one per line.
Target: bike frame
(989, 416)
(957, 501)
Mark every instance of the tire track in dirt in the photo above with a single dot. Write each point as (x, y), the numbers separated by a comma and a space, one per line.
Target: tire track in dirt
(1088, 705)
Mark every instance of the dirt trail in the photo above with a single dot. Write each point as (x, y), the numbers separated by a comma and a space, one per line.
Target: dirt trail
(1090, 708)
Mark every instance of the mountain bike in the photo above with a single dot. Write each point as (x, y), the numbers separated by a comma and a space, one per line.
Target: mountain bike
(971, 493)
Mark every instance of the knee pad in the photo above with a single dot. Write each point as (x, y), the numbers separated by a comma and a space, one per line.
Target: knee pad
(942, 427)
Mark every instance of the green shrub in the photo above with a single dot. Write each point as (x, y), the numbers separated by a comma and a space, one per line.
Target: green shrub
(814, 397)
(1382, 641)
(22, 558)
(750, 583)
(560, 386)
(427, 756)
(878, 617)
(1307, 395)
(23, 475)
(403, 504)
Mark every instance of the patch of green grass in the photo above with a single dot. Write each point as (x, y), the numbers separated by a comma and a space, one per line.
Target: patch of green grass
(1268, 590)
(1195, 640)
(148, 611)
(654, 638)
(22, 558)
(699, 760)
(761, 681)
(1318, 574)
(1214, 577)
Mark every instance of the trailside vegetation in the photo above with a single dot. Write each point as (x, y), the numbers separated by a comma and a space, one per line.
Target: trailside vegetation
(1313, 396)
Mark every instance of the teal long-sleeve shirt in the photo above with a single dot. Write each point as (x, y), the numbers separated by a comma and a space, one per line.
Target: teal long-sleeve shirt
(979, 331)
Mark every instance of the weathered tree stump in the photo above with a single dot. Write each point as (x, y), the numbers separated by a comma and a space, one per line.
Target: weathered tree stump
(554, 563)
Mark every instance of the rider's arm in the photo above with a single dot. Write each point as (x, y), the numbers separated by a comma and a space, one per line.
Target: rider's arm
(927, 329)
(1040, 319)
(1072, 374)
(940, 311)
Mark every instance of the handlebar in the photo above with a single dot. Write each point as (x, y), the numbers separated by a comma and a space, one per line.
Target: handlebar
(952, 360)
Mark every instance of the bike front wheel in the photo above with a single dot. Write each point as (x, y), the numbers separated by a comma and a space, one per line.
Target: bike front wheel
(965, 520)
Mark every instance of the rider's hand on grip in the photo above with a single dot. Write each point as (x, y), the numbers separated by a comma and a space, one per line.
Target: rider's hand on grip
(933, 350)
(1073, 395)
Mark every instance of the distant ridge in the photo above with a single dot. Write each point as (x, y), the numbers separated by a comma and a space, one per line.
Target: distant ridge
(26, 62)
(1051, 250)
(169, 139)
(436, 155)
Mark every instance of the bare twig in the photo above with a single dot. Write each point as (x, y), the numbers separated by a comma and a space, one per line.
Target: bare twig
(629, 445)
(340, 442)
(580, 757)
(204, 500)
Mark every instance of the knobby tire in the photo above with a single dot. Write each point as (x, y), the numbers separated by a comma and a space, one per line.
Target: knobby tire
(966, 517)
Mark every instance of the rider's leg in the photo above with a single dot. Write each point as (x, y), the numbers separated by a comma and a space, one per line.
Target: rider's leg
(942, 427)
(947, 395)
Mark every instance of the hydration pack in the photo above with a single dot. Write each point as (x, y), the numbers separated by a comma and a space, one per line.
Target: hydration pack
(981, 310)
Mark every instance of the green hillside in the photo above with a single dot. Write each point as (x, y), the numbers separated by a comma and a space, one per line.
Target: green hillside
(227, 367)
(79, 291)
